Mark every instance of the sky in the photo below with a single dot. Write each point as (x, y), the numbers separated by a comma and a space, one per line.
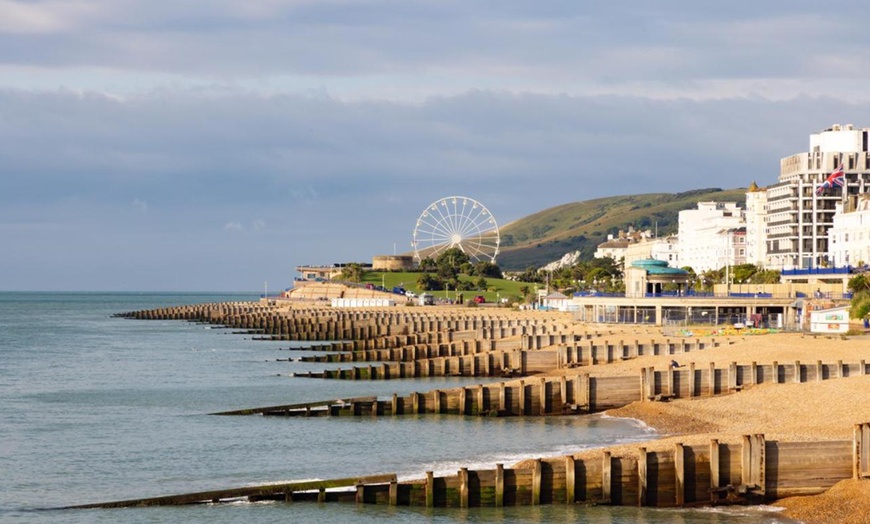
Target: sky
(214, 145)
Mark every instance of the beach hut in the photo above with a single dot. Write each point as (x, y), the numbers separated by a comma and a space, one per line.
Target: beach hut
(831, 320)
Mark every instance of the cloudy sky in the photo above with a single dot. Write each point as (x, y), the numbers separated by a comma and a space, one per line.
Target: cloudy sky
(215, 145)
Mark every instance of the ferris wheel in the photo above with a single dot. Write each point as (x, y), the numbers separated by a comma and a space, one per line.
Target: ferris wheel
(459, 222)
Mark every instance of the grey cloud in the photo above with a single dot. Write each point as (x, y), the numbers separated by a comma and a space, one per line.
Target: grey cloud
(562, 42)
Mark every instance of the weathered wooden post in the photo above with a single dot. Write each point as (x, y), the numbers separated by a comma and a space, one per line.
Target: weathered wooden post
(499, 485)
(430, 489)
(522, 397)
(797, 371)
(536, 482)
(394, 493)
(606, 477)
(680, 470)
(641, 476)
(692, 391)
(436, 397)
(570, 480)
(714, 470)
(463, 488)
(712, 372)
(861, 451)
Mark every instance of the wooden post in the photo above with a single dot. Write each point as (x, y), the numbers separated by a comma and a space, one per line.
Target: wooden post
(463, 488)
(857, 451)
(543, 393)
(753, 373)
(582, 393)
(759, 456)
(395, 406)
(563, 389)
(712, 379)
(641, 476)
(499, 485)
(463, 401)
(430, 489)
(775, 367)
(480, 400)
(643, 385)
(714, 470)
(670, 374)
(680, 469)
(522, 396)
(360, 494)
(732, 377)
(861, 451)
(819, 370)
(536, 483)
(746, 461)
(840, 369)
(415, 402)
(797, 371)
(606, 477)
(502, 398)
(321, 496)
(863, 368)
(570, 480)
(692, 391)
(394, 493)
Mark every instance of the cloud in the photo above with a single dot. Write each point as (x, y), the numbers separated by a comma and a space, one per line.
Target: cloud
(141, 205)
(234, 226)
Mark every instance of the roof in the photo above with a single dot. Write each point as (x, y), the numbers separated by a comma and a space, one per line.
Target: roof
(658, 267)
(555, 295)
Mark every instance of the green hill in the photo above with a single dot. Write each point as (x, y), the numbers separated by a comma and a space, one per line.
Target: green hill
(547, 235)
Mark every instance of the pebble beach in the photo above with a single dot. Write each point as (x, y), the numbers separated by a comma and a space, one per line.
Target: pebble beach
(824, 410)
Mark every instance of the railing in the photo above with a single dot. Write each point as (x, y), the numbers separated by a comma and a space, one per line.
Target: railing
(818, 271)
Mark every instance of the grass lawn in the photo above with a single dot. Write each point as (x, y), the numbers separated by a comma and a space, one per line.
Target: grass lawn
(496, 287)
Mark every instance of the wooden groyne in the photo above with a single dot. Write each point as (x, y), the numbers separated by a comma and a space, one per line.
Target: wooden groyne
(319, 323)
(751, 471)
(577, 394)
(472, 359)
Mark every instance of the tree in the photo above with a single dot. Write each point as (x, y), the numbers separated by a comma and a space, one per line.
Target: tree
(427, 264)
(427, 282)
(481, 284)
(486, 269)
(525, 291)
(353, 272)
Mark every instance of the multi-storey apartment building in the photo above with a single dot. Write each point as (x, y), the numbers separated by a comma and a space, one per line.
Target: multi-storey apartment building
(849, 236)
(712, 236)
(798, 219)
(756, 225)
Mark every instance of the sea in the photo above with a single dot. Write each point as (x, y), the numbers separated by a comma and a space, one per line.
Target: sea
(95, 408)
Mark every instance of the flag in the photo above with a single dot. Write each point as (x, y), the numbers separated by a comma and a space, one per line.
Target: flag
(837, 178)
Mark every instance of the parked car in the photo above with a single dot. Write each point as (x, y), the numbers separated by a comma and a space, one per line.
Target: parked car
(479, 299)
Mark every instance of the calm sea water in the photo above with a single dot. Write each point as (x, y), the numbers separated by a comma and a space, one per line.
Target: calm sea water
(95, 408)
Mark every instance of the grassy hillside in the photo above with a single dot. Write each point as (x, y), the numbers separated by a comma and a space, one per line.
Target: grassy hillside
(546, 236)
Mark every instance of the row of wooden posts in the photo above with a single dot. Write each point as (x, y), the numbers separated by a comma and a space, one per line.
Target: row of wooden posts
(754, 470)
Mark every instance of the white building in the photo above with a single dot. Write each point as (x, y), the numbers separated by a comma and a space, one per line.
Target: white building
(756, 225)
(798, 220)
(711, 236)
(613, 248)
(849, 236)
(665, 249)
